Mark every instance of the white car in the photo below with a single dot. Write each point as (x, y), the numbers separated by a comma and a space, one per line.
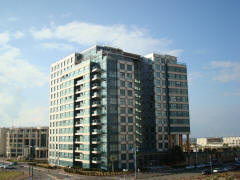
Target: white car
(2, 165)
(190, 167)
(6, 166)
(218, 170)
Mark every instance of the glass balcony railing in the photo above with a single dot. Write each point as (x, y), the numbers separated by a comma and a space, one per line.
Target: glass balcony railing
(97, 113)
(96, 160)
(96, 104)
(96, 95)
(96, 86)
(96, 131)
(96, 77)
(96, 69)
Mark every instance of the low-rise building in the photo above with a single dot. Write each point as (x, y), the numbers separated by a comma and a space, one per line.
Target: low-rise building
(3, 132)
(231, 141)
(210, 142)
(25, 142)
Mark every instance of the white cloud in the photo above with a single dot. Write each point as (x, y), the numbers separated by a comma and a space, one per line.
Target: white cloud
(17, 75)
(60, 46)
(226, 71)
(132, 39)
(4, 38)
(18, 35)
(12, 19)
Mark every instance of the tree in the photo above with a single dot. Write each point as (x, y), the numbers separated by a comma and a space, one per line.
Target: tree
(112, 159)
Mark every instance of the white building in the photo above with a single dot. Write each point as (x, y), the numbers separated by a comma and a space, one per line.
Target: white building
(231, 141)
(210, 142)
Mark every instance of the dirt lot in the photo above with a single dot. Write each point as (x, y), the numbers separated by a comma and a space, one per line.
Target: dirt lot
(233, 175)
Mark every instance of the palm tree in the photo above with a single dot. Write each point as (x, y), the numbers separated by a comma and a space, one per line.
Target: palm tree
(112, 159)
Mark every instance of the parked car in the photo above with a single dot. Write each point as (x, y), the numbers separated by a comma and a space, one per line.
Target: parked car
(215, 170)
(6, 166)
(13, 163)
(200, 165)
(206, 172)
(190, 167)
(2, 165)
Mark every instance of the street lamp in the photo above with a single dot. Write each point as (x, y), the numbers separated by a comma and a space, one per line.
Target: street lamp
(135, 161)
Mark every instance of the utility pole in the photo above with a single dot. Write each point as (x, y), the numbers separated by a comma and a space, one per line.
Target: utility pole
(196, 155)
(32, 172)
(211, 161)
(135, 165)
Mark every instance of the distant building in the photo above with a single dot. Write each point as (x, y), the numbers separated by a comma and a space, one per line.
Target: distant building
(210, 142)
(231, 141)
(26, 142)
(3, 132)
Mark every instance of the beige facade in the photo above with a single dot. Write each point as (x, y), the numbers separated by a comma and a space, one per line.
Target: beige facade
(3, 132)
(209, 142)
(231, 141)
(26, 142)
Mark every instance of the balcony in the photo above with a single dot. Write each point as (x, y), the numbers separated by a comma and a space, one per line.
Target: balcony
(96, 77)
(96, 69)
(79, 115)
(96, 131)
(96, 151)
(96, 141)
(96, 160)
(96, 122)
(78, 91)
(96, 104)
(97, 113)
(96, 86)
(96, 95)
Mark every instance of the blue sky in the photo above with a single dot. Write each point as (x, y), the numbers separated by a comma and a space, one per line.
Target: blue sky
(203, 34)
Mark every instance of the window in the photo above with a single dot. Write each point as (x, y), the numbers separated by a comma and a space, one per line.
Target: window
(158, 90)
(130, 110)
(130, 147)
(122, 101)
(123, 128)
(157, 67)
(122, 75)
(122, 110)
(130, 119)
(159, 129)
(129, 84)
(122, 66)
(157, 74)
(129, 67)
(130, 137)
(122, 83)
(129, 92)
(158, 82)
(130, 128)
(124, 166)
(123, 137)
(129, 75)
(122, 92)
(123, 119)
(123, 156)
(123, 147)
(160, 145)
(166, 145)
(130, 102)
(130, 156)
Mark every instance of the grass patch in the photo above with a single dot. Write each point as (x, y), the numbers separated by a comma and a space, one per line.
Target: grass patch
(10, 175)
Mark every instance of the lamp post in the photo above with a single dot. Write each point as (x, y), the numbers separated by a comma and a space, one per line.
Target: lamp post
(135, 161)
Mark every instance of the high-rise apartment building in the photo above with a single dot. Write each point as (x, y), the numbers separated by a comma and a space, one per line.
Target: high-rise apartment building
(105, 103)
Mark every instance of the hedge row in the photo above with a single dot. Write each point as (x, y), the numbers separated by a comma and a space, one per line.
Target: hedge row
(94, 173)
